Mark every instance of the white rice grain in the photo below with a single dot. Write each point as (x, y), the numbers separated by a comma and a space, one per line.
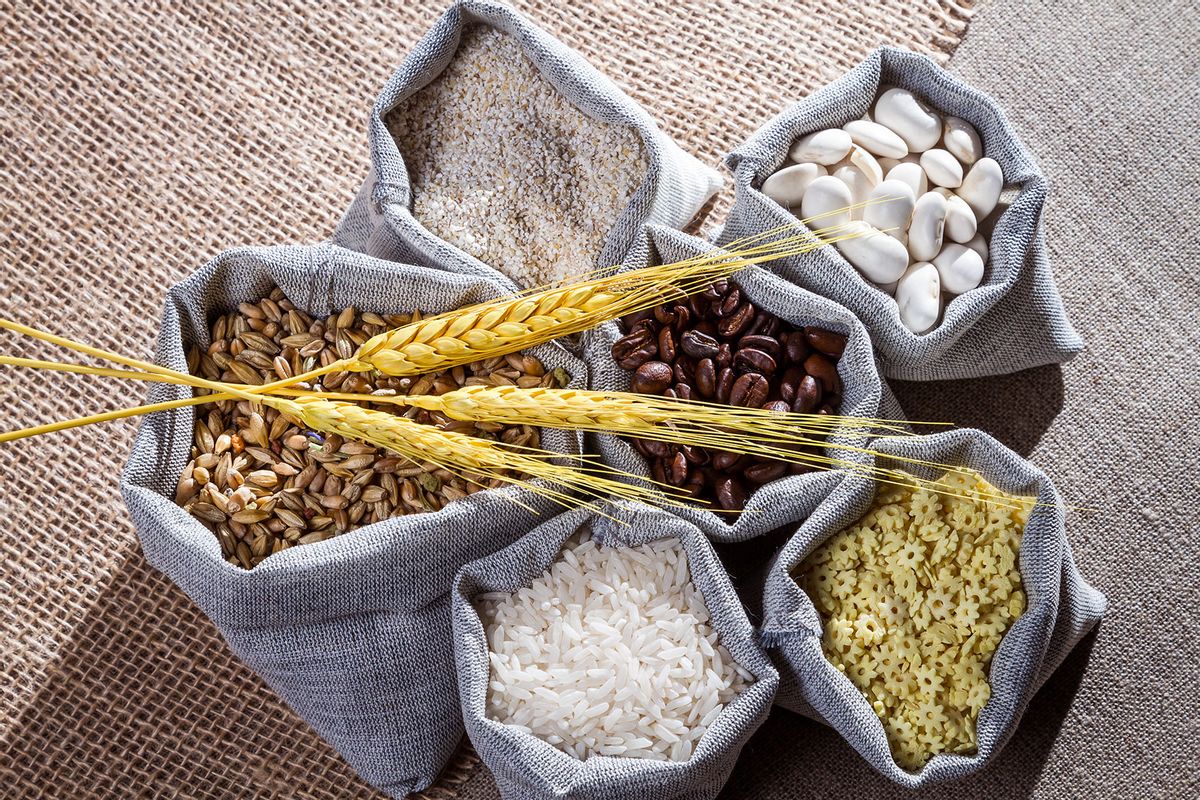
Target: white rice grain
(624, 662)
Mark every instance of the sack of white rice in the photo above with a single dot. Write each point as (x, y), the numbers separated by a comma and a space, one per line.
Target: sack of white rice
(350, 625)
(497, 150)
(599, 659)
(970, 248)
(771, 493)
(919, 622)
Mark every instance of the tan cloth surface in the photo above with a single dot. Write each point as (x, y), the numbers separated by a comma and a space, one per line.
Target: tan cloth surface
(134, 144)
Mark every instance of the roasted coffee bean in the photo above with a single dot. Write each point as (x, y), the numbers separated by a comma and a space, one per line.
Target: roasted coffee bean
(808, 395)
(749, 390)
(652, 377)
(706, 378)
(629, 343)
(828, 342)
(666, 344)
(765, 324)
(638, 357)
(730, 303)
(698, 345)
(717, 345)
(765, 472)
(684, 372)
(736, 322)
(788, 383)
(725, 379)
(750, 360)
(629, 320)
(768, 344)
(731, 495)
(796, 347)
(823, 370)
(678, 471)
(653, 448)
(724, 462)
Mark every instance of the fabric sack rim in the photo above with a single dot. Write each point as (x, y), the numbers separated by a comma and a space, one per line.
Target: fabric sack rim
(755, 159)
(568, 72)
(556, 771)
(803, 627)
(295, 564)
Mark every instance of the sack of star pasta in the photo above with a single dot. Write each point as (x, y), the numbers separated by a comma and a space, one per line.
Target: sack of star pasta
(919, 621)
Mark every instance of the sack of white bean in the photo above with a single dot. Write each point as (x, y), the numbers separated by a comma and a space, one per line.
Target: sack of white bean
(352, 630)
(951, 278)
(607, 660)
(497, 150)
(919, 622)
(755, 341)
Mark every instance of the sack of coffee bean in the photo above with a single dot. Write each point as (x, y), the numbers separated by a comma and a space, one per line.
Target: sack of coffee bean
(497, 150)
(1014, 319)
(678, 740)
(754, 341)
(1059, 608)
(352, 631)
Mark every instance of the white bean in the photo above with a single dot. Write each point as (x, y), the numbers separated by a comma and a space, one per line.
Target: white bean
(891, 207)
(823, 147)
(912, 120)
(860, 186)
(942, 168)
(960, 138)
(879, 257)
(960, 220)
(875, 138)
(979, 245)
(960, 268)
(824, 195)
(909, 173)
(866, 162)
(919, 297)
(928, 223)
(981, 187)
(787, 186)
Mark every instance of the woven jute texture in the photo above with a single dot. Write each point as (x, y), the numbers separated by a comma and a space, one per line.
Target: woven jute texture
(137, 141)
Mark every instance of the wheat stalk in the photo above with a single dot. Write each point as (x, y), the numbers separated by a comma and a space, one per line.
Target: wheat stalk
(473, 456)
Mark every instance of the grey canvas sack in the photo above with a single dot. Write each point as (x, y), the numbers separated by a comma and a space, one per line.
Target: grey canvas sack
(792, 498)
(527, 768)
(1014, 320)
(380, 221)
(1061, 609)
(353, 632)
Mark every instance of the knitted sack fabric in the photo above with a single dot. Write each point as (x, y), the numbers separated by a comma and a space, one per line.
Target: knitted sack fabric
(380, 220)
(1013, 320)
(1061, 609)
(787, 500)
(353, 632)
(528, 768)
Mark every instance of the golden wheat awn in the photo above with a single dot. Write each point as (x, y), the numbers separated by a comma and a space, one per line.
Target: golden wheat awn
(469, 455)
(513, 323)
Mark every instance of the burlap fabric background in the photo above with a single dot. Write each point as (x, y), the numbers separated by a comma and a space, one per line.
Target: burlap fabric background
(135, 143)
